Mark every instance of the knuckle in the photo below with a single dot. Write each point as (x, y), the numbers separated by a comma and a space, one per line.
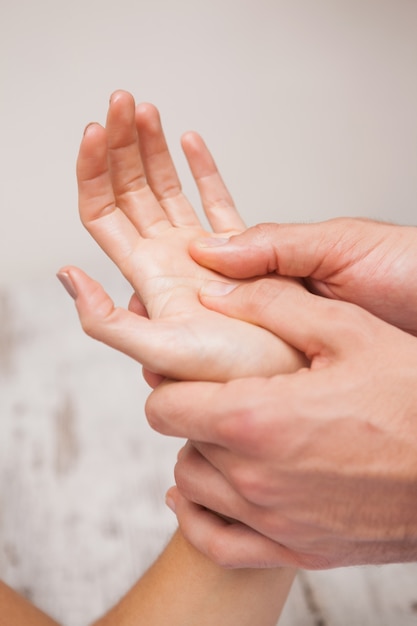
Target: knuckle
(242, 484)
(254, 485)
(89, 325)
(96, 312)
(264, 231)
(266, 297)
(241, 429)
(265, 236)
(247, 484)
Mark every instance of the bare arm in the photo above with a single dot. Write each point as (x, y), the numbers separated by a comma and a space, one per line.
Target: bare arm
(184, 588)
(132, 204)
(16, 611)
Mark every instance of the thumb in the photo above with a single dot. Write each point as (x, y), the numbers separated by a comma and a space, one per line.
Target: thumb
(289, 249)
(312, 324)
(128, 331)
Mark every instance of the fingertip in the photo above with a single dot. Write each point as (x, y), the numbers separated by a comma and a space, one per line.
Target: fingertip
(147, 113)
(136, 306)
(89, 295)
(90, 129)
(65, 278)
(152, 379)
(192, 141)
(91, 155)
(120, 94)
(171, 499)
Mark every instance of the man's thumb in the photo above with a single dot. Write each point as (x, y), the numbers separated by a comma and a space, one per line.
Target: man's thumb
(288, 249)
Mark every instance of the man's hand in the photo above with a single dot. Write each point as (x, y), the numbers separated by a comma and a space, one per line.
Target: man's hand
(371, 264)
(317, 468)
(131, 203)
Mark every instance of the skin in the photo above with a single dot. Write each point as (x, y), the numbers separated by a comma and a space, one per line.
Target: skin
(239, 467)
(19, 612)
(181, 588)
(131, 203)
(318, 468)
(371, 264)
(184, 588)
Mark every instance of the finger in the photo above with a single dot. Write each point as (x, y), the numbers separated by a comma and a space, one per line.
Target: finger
(111, 229)
(298, 250)
(151, 378)
(136, 306)
(230, 545)
(217, 202)
(159, 167)
(232, 486)
(200, 482)
(314, 325)
(132, 192)
(144, 340)
(234, 415)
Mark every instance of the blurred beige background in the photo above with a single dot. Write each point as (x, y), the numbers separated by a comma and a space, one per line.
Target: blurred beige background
(309, 107)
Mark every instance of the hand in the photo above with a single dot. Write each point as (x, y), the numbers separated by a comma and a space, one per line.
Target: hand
(131, 203)
(368, 263)
(317, 468)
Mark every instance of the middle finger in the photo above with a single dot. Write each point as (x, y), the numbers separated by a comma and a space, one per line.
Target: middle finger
(132, 193)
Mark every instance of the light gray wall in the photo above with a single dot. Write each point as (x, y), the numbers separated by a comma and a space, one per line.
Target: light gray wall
(309, 107)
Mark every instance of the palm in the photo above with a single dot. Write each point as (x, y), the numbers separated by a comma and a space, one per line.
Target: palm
(162, 272)
(131, 202)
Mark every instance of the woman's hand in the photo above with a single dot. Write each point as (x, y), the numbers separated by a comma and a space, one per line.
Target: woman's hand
(131, 203)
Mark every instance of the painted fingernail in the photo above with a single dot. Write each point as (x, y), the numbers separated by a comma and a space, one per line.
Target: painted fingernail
(67, 282)
(212, 242)
(217, 288)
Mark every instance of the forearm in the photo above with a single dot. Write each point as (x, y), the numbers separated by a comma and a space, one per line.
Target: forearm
(184, 588)
(16, 611)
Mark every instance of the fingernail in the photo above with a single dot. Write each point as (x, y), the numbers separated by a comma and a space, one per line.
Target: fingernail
(216, 288)
(66, 281)
(169, 501)
(87, 128)
(212, 242)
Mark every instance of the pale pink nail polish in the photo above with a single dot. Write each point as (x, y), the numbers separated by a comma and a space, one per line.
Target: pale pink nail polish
(67, 282)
